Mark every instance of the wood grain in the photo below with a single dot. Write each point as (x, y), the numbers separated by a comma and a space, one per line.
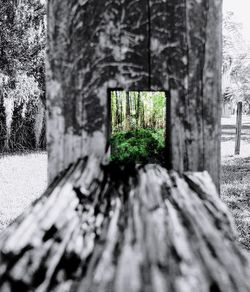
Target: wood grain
(92, 46)
(186, 62)
(174, 46)
(103, 228)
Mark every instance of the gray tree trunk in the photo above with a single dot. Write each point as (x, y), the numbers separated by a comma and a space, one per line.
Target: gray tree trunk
(127, 118)
(186, 61)
(140, 45)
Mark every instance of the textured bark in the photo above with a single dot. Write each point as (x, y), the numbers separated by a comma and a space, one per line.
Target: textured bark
(134, 45)
(127, 118)
(92, 46)
(117, 117)
(139, 229)
(138, 109)
(186, 62)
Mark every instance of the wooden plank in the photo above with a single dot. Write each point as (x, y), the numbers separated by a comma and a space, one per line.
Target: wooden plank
(238, 128)
(134, 45)
(101, 228)
(186, 62)
(92, 46)
(212, 96)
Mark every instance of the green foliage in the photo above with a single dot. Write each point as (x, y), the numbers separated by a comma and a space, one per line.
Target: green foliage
(138, 146)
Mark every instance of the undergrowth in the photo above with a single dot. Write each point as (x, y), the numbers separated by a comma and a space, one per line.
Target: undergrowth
(138, 146)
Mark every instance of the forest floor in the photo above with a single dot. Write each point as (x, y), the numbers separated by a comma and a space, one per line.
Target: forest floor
(235, 176)
(23, 178)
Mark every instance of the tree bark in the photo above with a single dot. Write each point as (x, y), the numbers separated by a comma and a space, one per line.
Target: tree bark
(173, 46)
(93, 46)
(127, 118)
(118, 120)
(186, 60)
(138, 109)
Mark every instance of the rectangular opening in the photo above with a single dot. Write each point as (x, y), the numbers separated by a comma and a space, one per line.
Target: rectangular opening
(138, 127)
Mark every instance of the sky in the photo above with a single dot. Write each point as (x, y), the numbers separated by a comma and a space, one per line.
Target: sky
(241, 9)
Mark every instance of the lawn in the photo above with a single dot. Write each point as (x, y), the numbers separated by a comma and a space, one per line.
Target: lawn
(235, 181)
(23, 178)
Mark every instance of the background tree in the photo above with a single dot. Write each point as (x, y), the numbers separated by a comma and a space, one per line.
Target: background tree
(134, 109)
(236, 63)
(22, 74)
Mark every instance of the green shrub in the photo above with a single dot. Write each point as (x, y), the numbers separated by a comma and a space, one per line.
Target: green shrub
(138, 146)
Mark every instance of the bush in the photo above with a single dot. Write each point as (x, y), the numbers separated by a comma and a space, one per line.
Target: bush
(138, 146)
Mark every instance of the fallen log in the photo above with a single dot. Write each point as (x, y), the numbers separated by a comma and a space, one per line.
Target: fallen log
(137, 228)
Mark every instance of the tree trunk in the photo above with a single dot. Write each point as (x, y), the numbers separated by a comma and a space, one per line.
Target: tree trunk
(142, 115)
(39, 121)
(187, 41)
(138, 109)
(172, 46)
(86, 57)
(121, 113)
(238, 128)
(118, 120)
(128, 124)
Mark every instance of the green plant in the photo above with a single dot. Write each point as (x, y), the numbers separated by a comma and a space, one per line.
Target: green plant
(138, 146)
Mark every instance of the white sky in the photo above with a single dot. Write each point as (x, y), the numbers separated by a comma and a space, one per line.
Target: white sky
(241, 9)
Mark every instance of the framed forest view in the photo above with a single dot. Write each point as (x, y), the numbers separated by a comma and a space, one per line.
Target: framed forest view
(138, 126)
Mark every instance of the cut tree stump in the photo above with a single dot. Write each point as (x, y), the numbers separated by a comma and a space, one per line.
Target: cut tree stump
(137, 228)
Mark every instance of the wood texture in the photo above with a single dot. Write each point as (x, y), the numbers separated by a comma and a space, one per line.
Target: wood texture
(100, 228)
(186, 62)
(92, 46)
(172, 45)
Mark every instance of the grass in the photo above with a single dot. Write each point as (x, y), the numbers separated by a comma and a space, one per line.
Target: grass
(235, 191)
(23, 178)
(235, 183)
